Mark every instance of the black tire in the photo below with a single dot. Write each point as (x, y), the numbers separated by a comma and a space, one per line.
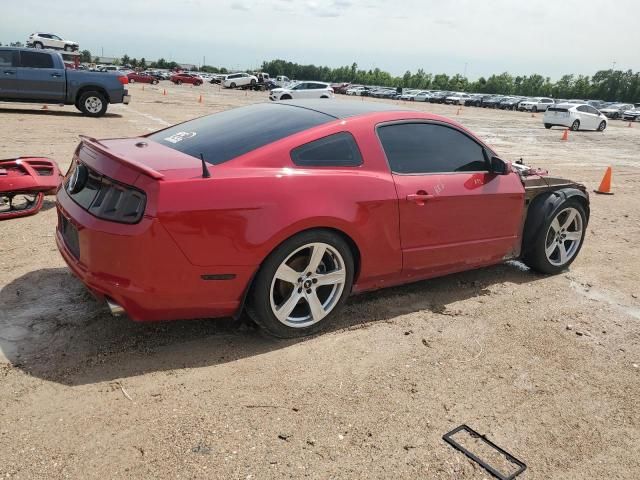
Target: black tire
(575, 126)
(232, 85)
(324, 96)
(93, 104)
(259, 299)
(534, 109)
(541, 214)
(616, 115)
(285, 97)
(253, 81)
(178, 82)
(38, 45)
(547, 126)
(154, 82)
(602, 126)
(132, 80)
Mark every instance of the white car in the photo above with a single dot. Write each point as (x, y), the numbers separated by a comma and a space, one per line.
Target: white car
(303, 90)
(355, 91)
(422, 97)
(616, 110)
(239, 80)
(409, 94)
(49, 40)
(573, 116)
(536, 104)
(458, 98)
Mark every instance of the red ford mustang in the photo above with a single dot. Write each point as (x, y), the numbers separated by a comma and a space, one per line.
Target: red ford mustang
(287, 209)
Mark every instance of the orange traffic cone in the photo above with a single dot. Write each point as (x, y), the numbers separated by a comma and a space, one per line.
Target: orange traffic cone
(200, 99)
(565, 135)
(605, 184)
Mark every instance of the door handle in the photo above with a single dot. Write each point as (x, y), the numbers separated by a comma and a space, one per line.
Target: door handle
(55, 75)
(419, 197)
(9, 72)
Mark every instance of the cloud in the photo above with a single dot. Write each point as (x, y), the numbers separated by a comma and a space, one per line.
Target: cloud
(240, 6)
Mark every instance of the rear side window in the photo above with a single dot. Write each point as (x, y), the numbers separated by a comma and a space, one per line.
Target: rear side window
(430, 148)
(223, 136)
(338, 150)
(35, 60)
(8, 58)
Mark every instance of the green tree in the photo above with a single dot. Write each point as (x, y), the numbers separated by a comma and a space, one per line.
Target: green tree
(125, 59)
(85, 56)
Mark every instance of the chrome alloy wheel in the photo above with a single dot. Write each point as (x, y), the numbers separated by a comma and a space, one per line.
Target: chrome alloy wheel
(93, 104)
(564, 236)
(307, 285)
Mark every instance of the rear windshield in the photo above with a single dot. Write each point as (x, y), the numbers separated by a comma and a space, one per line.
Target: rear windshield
(226, 135)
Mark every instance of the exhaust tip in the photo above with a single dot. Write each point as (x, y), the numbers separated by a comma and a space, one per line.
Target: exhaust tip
(115, 309)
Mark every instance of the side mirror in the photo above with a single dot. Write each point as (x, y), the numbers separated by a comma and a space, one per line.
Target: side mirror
(499, 166)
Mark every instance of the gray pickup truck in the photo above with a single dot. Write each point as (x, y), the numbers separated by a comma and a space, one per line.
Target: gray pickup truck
(40, 76)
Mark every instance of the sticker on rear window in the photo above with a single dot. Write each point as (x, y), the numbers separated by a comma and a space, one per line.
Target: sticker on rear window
(178, 137)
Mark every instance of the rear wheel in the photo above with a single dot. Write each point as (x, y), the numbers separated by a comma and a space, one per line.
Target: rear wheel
(233, 85)
(132, 80)
(38, 45)
(285, 97)
(93, 104)
(559, 239)
(602, 126)
(178, 82)
(302, 284)
(575, 126)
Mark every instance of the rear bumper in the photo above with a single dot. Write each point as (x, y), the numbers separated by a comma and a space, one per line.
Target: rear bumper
(140, 268)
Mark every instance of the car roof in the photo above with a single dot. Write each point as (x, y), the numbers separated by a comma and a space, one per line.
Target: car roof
(343, 109)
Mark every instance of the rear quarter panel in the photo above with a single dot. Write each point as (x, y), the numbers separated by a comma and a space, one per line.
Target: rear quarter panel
(253, 203)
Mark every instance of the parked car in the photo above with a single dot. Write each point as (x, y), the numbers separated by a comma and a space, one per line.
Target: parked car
(597, 104)
(458, 98)
(357, 91)
(492, 102)
(302, 90)
(239, 80)
(537, 104)
(180, 78)
(510, 103)
(422, 97)
(49, 40)
(438, 97)
(632, 115)
(409, 94)
(574, 116)
(287, 209)
(616, 110)
(141, 78)
(477, 100)
(27, 75)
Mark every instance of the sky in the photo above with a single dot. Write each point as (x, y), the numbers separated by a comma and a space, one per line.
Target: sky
(550, 37)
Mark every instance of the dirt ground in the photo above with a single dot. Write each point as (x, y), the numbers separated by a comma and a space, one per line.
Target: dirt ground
(546, 367)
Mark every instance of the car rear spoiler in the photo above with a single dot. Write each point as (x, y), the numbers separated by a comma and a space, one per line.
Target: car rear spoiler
(103, 149)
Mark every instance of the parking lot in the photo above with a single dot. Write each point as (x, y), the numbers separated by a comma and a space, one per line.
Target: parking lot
(546, 367)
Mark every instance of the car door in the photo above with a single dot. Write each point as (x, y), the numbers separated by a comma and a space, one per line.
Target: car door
(588, 120)
(39, 78)
(9, 85)
(454, 213)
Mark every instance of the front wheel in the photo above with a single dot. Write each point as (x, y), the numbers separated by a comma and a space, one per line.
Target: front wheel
(132, 80)
(93, 104)
(602, 126)
(285, 97)
(38, 45)
(575, 126)
(547, 126)
(233, 85)
(178, 82)
(559, 239)
(302, 284)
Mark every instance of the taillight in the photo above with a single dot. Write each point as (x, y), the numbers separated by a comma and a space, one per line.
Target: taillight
(123, 79)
